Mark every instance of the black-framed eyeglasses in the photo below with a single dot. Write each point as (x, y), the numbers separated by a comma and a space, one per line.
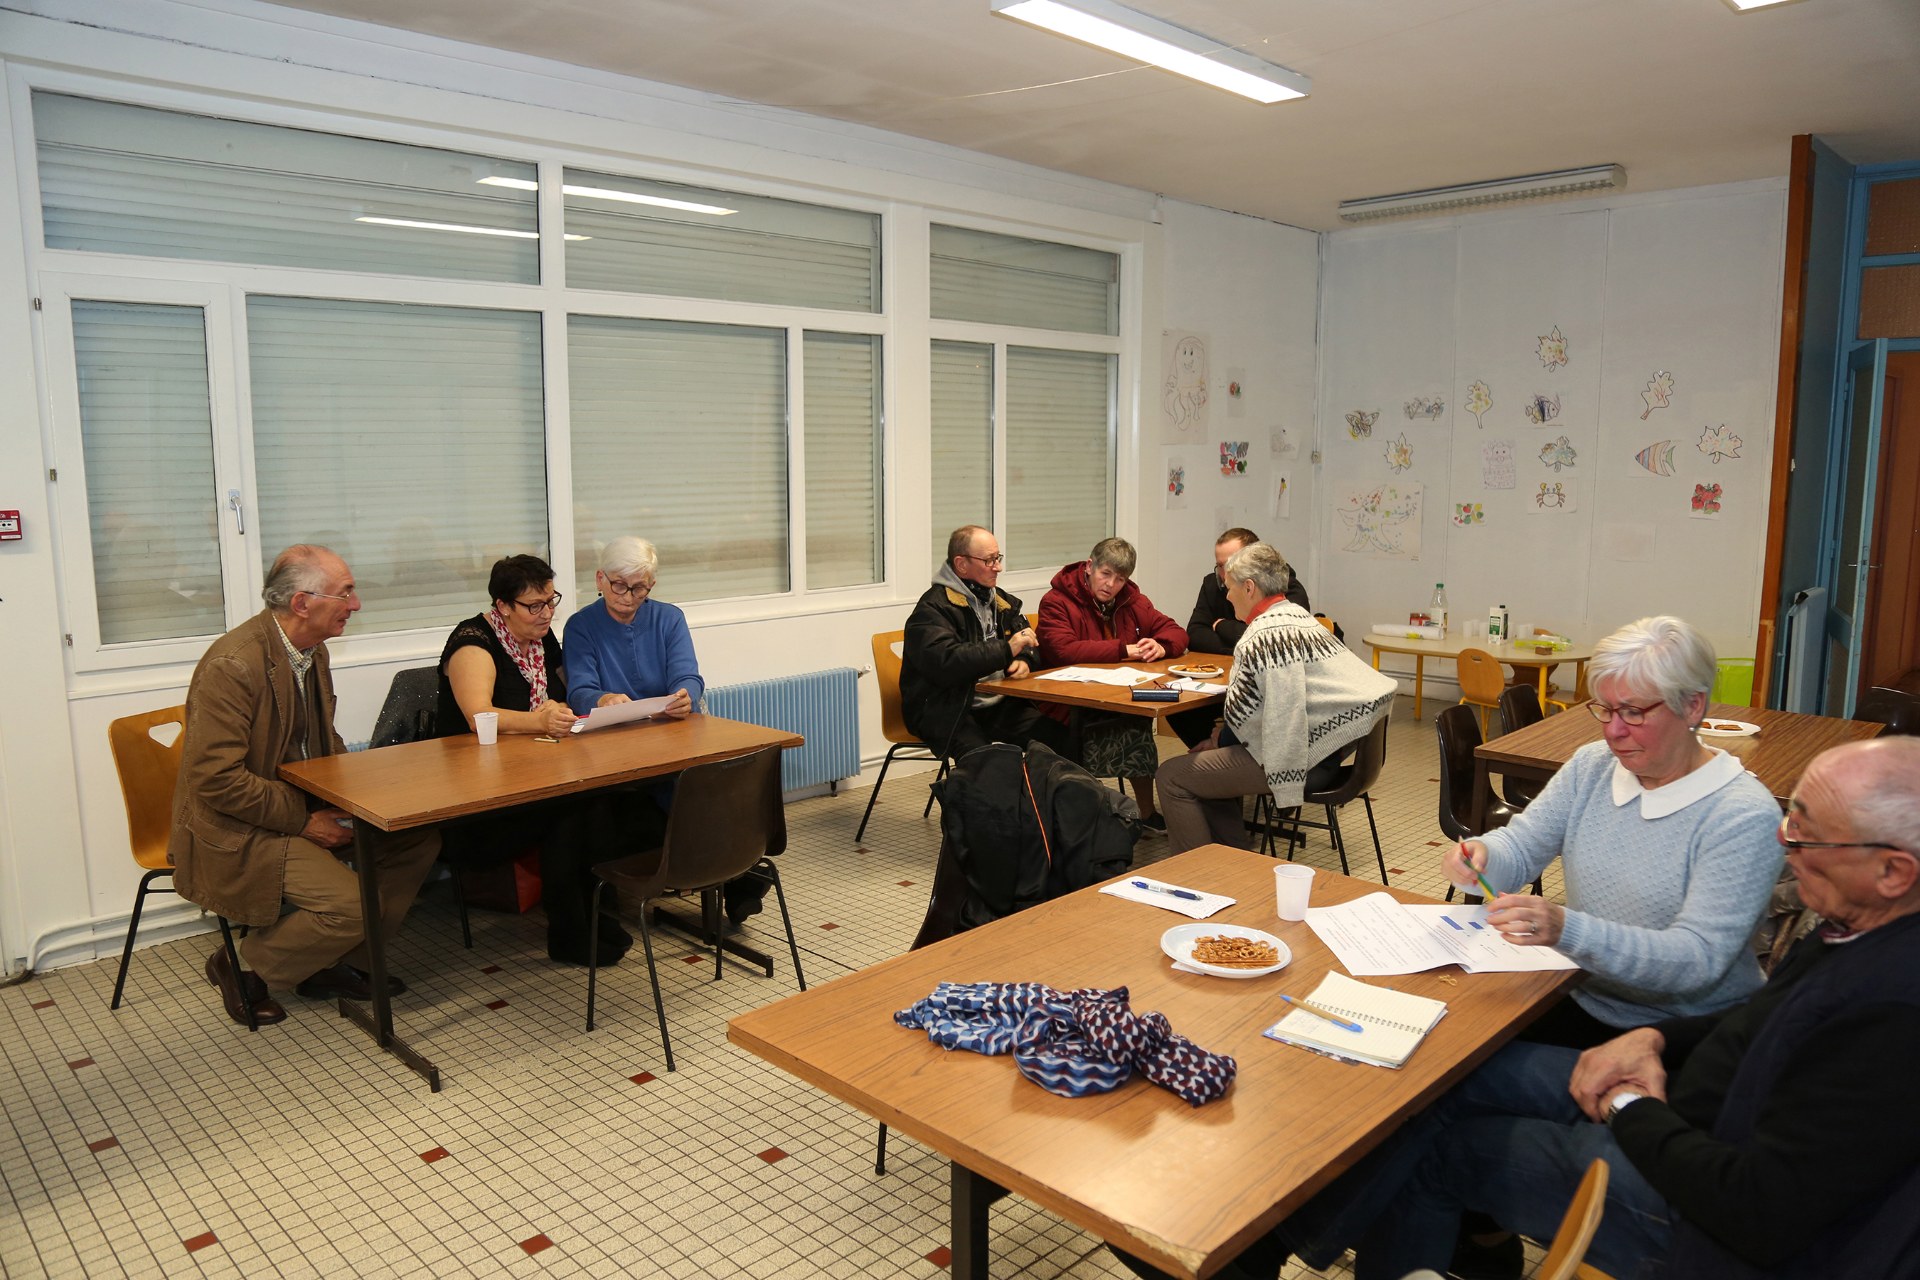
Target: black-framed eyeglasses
(548, 605)
(1628, 714)
(625, 592)
(1794, 846)
(992, 562)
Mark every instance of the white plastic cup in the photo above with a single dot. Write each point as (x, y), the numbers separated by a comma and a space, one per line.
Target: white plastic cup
(1292, 888)
(486, 727)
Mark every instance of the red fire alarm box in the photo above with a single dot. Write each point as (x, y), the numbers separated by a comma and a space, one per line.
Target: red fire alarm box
(10, 526)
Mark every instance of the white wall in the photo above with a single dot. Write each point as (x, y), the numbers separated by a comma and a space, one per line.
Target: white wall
(65, 879)
(1684, 282)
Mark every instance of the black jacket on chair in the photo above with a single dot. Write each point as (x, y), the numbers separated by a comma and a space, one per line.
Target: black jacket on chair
(945, 654)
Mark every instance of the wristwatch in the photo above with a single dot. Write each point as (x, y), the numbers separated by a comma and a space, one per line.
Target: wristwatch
(1620, 1102)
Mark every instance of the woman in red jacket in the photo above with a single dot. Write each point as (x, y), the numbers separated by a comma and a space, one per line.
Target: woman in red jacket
(1094, 613)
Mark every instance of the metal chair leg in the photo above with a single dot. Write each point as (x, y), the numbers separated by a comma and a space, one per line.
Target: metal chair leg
(1378, 856)
(874, 795)
(460, 900)
(1339, 842)
(653, 976)
(593, 949)
(133, 927)
(772, 873)
(880, 1153)
(239, 974)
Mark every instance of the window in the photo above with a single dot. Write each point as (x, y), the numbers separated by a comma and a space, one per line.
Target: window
(409, 439)
(122, 179)
(962, 419)
(636, 236)
(680, 436)
(146, 430)
(1059, 455)
(844, 459)
(996, 279)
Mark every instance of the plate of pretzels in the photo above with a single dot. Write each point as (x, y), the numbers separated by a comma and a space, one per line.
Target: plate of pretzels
(1197, 670)
(1226, 950)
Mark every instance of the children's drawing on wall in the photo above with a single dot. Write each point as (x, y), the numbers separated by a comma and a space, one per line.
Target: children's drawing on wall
(1553, 497)
(1236, 392)
(1479, 400)
(1558, 454)
(1233, 457)
(1360, 423)
(1384, 520)
(1657, 457)
(1285, 443)
(1176, 484)
(1399, 454)
(1553, 348)
(1427, 407)
(1466, 514)
(1542, 409)
(1659, 392)
(1720, 442)
(1183, 394)
(1496, 465)
(1282, 506)
(1706, 501)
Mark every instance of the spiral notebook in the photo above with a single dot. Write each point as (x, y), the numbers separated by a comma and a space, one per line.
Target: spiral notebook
(1394, 1022)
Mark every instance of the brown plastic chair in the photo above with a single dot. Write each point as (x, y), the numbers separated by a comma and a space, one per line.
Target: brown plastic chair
(1482, 680)
(1899, 712)
(148, 769)
(1355, 780)
(728, 820)
(1519, 707)
(1582, 1219)
(893, 723)
(1459, 736)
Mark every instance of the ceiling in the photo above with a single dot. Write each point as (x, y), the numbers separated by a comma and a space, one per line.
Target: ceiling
(1406, 93)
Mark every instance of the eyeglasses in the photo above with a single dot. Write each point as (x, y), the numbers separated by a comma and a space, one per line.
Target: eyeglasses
(352, 594)
(1794, 846)
(992, 562)
(548, 605)
(1628, 715)
(624, 592)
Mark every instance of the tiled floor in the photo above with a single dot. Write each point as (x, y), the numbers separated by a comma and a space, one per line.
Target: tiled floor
(163, 1140)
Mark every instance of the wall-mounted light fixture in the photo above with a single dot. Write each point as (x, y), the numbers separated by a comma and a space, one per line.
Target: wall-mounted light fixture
(1534, 186)
(1134, 35)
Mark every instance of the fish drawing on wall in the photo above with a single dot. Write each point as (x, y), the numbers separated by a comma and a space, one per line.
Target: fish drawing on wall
(1428, 407)
(1479, 400)
(1399, 453)
(1659, 392)
(1553, 348)
(1706, 499)
(1658, 457)
(1360, 423)
(1543, 409)
(1560, 453)
(1720, 442)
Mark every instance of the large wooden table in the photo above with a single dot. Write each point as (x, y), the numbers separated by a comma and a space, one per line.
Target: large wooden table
(422, 783)
(1777, 755)
(1517, 656)
(1184, 1187)
(1081, 696)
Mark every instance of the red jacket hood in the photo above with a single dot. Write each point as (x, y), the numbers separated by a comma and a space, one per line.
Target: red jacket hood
(1072, 582)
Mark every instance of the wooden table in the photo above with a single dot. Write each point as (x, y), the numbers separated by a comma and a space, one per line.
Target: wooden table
(1514, 655)
(1186, 1188)
(1082, 696)
(418, 784)
(1777, 755)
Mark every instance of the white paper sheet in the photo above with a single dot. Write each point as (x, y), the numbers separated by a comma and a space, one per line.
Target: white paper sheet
(619, 713)
(1122, 677)
(1378, 935)
(1196, 908)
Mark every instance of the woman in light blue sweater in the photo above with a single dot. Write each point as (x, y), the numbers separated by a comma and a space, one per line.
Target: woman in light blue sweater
(1667, 846)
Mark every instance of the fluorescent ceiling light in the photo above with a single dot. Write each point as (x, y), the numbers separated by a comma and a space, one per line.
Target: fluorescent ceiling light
(608, 193)
(457, 226)
(1135, 35)
(1743, 5)
(1561, 182)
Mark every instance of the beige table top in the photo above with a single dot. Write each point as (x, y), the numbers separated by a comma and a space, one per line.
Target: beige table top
(419, 783)
(1514, 655)
(1777, 755)
(1107, 697)
(1185, 1187)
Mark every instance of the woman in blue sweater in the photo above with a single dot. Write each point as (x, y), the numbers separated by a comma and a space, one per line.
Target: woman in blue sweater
(1667, 846)
(626, 645)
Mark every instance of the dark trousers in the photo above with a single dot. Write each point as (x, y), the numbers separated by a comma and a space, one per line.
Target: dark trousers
(1014, 720)
(1193, 726)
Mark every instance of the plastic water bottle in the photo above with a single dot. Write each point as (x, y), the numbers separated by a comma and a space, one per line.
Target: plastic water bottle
(1437, 611)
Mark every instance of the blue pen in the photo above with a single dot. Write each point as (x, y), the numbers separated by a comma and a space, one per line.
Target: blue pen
(1188, 894)
(1318, 1012)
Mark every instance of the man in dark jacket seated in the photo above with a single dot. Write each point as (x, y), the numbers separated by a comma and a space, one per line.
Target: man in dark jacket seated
(1775, 1138)
(964, 630)
(1213, 628)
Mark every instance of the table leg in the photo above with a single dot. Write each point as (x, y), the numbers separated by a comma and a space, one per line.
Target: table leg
(1419, 668)
(378, 1021)
(973, 1195)
(1543, 688)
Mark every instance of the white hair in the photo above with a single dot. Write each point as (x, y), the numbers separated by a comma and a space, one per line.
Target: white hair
(629, 555)
(1665, 655)
(301, 567)
(1264, 566)
(1883, 777)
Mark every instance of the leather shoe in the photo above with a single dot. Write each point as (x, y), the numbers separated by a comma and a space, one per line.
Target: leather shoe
(345, 981)
(266, 1011)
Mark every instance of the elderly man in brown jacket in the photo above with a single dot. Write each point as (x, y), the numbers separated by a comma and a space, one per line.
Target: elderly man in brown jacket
(243, 841)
